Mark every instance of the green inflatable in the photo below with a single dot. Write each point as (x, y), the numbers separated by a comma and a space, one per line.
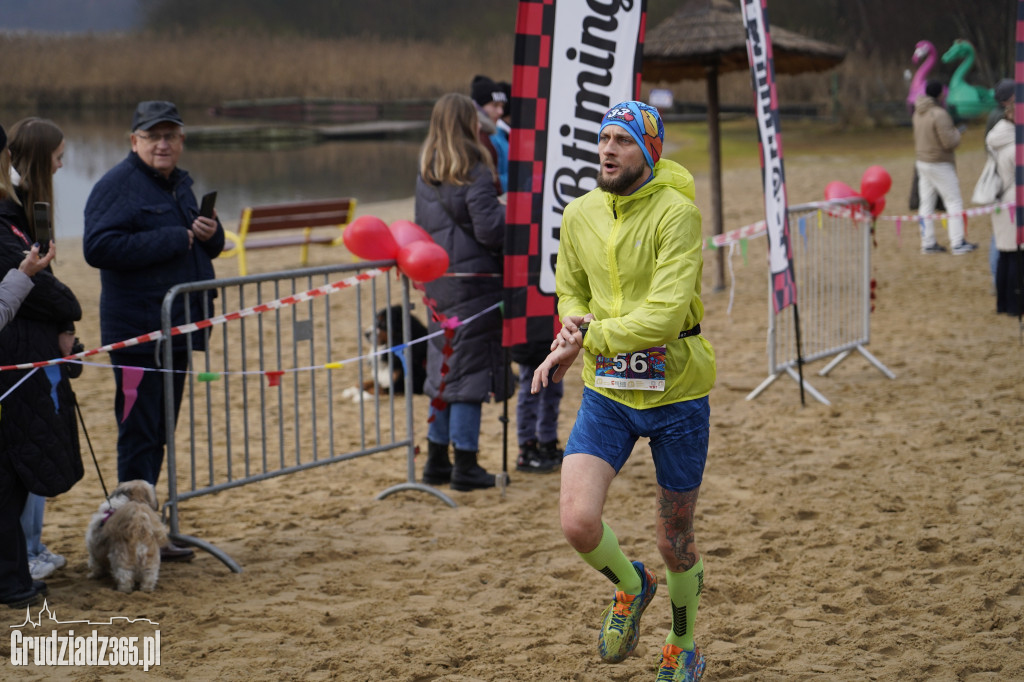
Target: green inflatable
(966, 101)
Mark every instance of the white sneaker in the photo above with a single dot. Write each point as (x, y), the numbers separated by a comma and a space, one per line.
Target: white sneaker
(964, 247)
(40, 568)
(56, 559)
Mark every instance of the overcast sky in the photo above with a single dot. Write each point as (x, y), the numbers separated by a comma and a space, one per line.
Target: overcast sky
(62, 16)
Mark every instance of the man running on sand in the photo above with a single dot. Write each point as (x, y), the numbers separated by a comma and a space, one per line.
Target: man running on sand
(628, 281)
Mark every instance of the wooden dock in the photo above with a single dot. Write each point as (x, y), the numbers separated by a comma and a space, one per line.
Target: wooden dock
(327, 111)
(374, 130)
(282, 136)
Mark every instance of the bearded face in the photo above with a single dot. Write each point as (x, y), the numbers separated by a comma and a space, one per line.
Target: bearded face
(623, 164)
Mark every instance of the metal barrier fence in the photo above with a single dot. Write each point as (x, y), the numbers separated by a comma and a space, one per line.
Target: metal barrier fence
(264, 398)
(831, 243)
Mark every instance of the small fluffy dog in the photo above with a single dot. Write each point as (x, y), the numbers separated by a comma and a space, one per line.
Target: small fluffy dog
(125, 536)
(390, 367)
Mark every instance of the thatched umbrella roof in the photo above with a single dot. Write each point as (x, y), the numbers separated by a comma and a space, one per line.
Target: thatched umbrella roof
(707, 37)
(707, 33)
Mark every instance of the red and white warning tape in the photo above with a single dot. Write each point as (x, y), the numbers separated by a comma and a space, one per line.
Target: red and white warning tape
(204, 324)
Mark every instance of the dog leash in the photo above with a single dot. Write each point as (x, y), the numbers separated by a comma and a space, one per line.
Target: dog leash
(99, 473)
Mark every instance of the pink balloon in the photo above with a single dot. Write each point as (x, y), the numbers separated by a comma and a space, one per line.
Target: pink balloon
(369, 238)
(406, 232)
(423, 261)
(875, 182)
(838, 190)
(877, 206)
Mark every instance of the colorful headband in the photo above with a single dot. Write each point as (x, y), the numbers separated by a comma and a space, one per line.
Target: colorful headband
(643, 123)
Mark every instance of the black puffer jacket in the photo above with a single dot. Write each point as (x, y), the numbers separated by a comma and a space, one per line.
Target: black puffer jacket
(474, 236)
(38, 432)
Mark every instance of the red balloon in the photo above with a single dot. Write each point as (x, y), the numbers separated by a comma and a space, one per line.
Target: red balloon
(406, 232)
(423, 261)
(369, 238)
(877, 206)
(875, 182)
(838, 190)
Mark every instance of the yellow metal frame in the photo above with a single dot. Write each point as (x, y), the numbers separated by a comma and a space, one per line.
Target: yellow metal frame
(237, 240)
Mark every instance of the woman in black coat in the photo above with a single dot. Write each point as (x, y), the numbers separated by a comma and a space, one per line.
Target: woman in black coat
(39, 450)
(457, 204)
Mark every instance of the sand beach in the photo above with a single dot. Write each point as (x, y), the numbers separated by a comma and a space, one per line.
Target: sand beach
(877, 538)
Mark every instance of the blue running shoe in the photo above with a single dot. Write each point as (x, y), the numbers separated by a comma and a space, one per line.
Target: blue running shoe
(680, 666)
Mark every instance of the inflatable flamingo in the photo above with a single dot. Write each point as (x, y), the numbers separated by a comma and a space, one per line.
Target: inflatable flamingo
(923, 50)
(966, 101)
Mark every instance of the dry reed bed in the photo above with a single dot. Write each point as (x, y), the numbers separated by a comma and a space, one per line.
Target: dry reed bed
(193, 70)
(196, 70)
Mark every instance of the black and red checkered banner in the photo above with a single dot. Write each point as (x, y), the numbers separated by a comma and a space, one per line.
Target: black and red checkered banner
(1018, 115)
(773, 176)
(574, 59)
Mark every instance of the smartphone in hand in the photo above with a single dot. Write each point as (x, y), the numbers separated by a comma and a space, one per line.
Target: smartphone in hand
(44, 230)
(206, 207)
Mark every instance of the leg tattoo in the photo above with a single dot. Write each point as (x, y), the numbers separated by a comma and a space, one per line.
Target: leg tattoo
(676, 518)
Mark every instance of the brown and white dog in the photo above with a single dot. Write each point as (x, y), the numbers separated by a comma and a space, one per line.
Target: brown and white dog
(388, 369)
(125, 536)
(390, 374)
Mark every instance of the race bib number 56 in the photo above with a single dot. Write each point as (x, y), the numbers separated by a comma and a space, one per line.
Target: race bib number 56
(642, 370)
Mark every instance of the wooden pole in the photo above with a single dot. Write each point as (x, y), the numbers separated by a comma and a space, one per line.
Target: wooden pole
(715, 169)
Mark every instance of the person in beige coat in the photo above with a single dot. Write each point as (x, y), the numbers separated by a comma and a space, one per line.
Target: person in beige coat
(935, 139)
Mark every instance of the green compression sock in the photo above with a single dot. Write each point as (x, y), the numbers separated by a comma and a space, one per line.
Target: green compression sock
(613, 564)
(684, 590)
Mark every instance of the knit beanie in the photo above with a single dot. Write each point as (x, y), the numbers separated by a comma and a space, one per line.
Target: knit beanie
(484, 91)
(1004, 90)
(643, 123)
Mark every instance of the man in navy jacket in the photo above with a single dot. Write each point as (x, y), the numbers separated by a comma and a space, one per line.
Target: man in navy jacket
(143, 231)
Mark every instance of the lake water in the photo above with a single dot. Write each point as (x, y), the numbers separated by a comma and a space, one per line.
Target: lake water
(372, 170)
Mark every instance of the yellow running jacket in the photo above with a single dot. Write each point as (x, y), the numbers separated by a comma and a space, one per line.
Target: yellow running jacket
(635, 262)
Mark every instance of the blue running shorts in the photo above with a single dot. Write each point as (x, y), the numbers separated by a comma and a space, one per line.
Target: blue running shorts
(678, 436)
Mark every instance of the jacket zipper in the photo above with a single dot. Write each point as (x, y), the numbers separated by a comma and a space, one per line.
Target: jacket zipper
(613, 266)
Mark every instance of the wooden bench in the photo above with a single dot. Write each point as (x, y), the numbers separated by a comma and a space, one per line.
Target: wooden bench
(292, 224)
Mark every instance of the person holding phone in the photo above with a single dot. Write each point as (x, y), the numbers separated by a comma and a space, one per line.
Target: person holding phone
(39, 447)
(144, 231)
(18, 282)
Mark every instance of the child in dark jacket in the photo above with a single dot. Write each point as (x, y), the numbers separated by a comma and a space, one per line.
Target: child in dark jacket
(536, 413)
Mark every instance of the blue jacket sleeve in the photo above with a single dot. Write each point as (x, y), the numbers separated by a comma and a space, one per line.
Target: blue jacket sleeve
(111, 240)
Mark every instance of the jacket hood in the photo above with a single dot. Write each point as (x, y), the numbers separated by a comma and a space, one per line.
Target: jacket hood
(12, 211)
(1001, 134)
(9, 210)
(666, 174)
(923, 103)
(486, 124)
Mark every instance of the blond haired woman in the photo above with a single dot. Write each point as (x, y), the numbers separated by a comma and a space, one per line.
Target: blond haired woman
(457, 203)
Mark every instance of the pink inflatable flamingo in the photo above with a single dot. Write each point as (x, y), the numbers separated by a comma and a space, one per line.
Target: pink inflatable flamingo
(923, 50)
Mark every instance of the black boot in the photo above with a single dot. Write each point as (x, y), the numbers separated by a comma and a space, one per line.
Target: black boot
(438, 469)
(467, 474)
(550, 454)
